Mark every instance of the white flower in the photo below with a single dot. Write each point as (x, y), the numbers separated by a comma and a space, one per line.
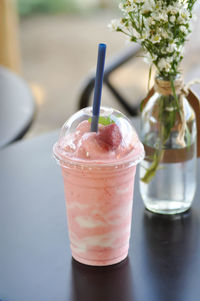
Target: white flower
(160, 16)
(181, 49)
(173, 10)
(155, 39)
(149, 58)
(158, 5)
(148, 6)
(171, 47)
(148, 22)
(152, 3)
(183, 29)
(164, 34)
(172, 19)
(164, 64)
(129, 8)
(137, 1)
(169, 59)
(184, 16)
(152, 23)
(143, 37)
(121, 6)
(163, 51)
(115, 24)
(164, 17)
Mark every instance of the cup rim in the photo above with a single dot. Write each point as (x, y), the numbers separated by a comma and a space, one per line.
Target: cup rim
(127, 161)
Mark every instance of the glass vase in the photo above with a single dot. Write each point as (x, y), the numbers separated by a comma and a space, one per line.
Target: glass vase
(168, 132)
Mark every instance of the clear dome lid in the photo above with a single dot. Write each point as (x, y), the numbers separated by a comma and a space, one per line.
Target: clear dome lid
(116, 141)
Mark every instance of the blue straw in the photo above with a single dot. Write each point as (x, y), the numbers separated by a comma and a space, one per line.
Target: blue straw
(98, 87)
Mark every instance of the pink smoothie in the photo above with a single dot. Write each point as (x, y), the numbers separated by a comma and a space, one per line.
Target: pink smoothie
(98, 182)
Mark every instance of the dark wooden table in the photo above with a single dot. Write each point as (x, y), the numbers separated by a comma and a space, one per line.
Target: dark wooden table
(17, 107)
(35, 259)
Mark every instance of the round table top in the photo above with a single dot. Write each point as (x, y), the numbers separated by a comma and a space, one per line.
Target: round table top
(16, 107)
(35, 258)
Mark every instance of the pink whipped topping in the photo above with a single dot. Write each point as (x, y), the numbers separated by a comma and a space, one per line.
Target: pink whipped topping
(85, 145)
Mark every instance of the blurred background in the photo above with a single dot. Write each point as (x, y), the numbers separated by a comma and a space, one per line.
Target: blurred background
(53, 46)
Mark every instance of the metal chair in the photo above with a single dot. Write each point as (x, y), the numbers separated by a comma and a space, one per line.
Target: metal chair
(113, 65)
(17, 107)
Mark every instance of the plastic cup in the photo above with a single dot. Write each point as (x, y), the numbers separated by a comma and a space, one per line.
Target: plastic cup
(99, 195)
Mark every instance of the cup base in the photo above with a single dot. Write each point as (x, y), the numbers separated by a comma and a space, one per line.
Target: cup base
(100, 262)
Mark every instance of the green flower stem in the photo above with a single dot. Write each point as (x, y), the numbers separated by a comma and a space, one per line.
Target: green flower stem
(151, 171)
(149, 78)
(167, 121)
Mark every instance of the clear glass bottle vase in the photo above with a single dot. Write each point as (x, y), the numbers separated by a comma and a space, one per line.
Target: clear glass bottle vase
(168, 132)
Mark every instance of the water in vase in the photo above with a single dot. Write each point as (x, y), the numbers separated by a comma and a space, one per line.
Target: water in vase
(172, 188)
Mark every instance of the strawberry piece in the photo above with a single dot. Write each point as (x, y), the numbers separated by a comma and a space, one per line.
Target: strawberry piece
(109, 136)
